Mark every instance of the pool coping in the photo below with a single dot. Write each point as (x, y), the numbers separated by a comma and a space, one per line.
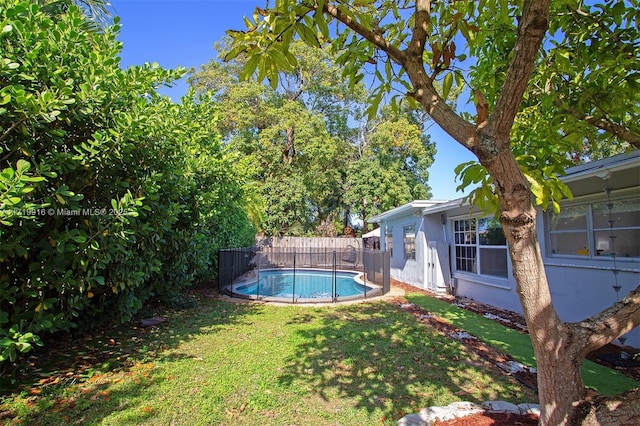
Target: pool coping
(392, 294)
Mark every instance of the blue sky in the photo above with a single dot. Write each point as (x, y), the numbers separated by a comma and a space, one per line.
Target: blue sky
(182, 33)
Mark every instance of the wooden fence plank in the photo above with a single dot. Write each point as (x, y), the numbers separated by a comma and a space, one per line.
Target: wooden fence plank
(301, 244)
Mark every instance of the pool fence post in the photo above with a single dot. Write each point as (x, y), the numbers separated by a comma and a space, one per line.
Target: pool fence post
(333, 286)
(294, 277)
(259, 257)
(233, 270)
(364, 270)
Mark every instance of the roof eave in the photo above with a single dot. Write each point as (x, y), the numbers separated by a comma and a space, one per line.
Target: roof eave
(403, 210)
(602, 168)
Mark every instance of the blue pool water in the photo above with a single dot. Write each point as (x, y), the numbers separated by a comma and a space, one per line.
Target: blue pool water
(308, 284)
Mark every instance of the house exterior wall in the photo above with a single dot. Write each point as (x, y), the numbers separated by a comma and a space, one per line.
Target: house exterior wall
(579, 288)
(581, 283)
(410, 271)
(580, 292)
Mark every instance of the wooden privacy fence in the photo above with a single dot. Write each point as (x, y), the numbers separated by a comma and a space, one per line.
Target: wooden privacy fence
(311, 244)
(311, 251)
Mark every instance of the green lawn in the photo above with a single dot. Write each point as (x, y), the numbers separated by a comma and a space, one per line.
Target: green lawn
(517, 344)
(242, 364)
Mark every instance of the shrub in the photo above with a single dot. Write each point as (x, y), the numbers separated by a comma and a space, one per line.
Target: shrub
(109, 193)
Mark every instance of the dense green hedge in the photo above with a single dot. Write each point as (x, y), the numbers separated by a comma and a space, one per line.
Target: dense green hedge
(109, 193)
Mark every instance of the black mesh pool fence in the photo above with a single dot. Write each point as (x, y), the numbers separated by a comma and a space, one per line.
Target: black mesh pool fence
(241, 270)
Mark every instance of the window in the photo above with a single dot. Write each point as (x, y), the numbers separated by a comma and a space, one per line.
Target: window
(568, 231)
(464, 232)
(409, 233)
(586, 230)
(480, 247)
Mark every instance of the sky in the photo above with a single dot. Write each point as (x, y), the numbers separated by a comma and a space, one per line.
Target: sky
(182, 33)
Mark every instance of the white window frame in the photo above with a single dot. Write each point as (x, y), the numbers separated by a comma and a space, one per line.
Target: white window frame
(591, 250)
(468, 249)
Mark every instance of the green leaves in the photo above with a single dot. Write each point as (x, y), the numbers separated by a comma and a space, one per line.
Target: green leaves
(446, 85)
(307, 35)
(15, 184)
(587, 77)
(546, 187)
(267, 40)
(482, 195)
(14, 341)
(544, 182)
(296, 136)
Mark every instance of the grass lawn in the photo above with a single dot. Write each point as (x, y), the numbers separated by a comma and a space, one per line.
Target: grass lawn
(605, 380)
(243, 364)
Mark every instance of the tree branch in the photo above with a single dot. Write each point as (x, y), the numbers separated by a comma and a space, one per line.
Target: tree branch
(619, 131)
(374, 37)
(622, 409)
(615, 129)
(10, 129)
(531, 30)
(460, 130)
(411, 60)
(420, 29)
(609, 324)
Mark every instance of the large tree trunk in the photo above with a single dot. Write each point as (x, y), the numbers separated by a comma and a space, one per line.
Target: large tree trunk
(363, 213)
(559, 380)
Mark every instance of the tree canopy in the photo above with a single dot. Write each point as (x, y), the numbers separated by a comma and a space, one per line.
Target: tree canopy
(307, 146)
(587, 55)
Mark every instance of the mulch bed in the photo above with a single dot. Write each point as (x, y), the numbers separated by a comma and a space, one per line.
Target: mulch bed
(608, 355)
(491, 419)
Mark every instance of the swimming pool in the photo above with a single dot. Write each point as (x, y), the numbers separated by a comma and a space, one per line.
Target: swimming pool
(304, 285)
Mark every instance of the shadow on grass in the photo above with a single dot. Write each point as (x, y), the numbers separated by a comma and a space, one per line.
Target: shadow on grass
(107, 369)
(518, 344)
(380, 357)
(513, 342)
